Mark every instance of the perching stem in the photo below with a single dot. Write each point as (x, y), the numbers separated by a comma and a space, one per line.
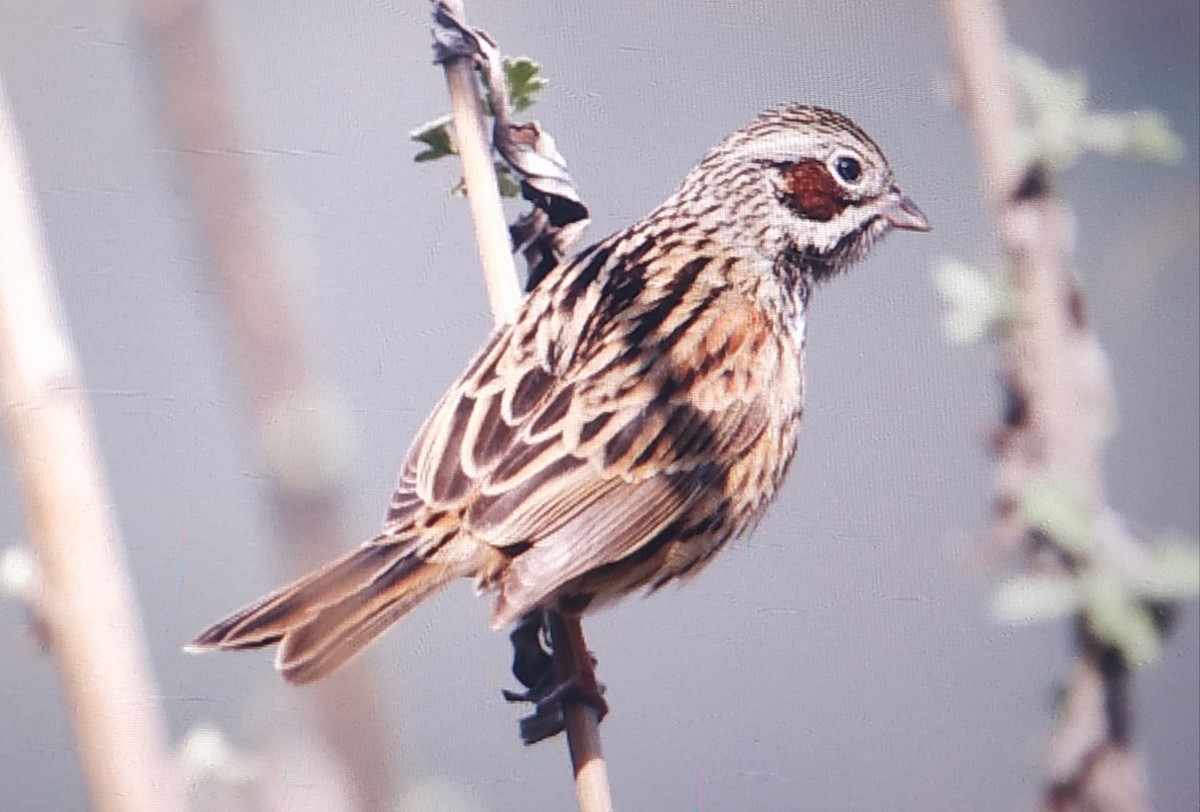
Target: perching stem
(504, 295)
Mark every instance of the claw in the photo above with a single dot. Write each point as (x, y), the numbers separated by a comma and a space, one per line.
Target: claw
(541, 672)
(577, 689)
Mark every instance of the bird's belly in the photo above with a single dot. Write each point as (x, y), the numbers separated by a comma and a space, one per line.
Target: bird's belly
(728, 508)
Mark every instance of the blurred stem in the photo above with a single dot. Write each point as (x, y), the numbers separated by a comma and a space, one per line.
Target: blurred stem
(88, 603)
(504, 294)
(288, 414)
(1056, 374)
(980, 47)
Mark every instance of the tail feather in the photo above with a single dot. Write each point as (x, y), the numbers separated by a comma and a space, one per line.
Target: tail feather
(327, 617)
(341, 630)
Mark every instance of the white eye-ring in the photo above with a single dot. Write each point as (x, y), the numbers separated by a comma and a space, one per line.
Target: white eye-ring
(848, 168)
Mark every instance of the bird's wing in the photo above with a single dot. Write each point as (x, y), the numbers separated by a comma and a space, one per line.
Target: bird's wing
(574, 449)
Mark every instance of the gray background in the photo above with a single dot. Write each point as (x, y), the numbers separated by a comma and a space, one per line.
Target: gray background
(841, 658)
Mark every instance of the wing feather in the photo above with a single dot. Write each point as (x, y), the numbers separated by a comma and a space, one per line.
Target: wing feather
(574, 454)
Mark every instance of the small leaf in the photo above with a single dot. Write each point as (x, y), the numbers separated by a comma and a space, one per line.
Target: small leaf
(1116, 616)
(20, 576)
(306, 441)
(524, 80)
(1058, 507)
(1173, 570)
(976, 302)
(438, 137)
(205, 754)
(1062, 128)
(1107, 133)
(1060, 93)
(1142, 136)
(1151, 138)
(507, 181)
(1030, 598)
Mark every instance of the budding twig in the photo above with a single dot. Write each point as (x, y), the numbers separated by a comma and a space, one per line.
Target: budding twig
(1051, 506)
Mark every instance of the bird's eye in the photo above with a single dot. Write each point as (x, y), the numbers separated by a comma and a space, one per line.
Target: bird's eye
(847, 168)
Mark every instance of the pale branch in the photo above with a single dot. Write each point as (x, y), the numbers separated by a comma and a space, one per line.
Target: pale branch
(296, 429)
(581, 720)
(86, 602)
(1078, 556)
(458, 53)
(479, 175)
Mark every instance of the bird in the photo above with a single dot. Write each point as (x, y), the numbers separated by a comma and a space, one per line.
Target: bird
(640, 410)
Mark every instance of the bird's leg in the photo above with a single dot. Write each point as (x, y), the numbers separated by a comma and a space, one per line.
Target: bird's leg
(574, 666)
(533, 664)
(550, 658)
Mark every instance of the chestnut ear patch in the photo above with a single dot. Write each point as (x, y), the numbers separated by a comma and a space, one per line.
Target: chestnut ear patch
(815, 194)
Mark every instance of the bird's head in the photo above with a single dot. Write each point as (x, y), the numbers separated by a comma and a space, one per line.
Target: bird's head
(802, 180)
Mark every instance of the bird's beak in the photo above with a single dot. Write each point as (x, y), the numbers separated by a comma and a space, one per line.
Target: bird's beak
(901, 212)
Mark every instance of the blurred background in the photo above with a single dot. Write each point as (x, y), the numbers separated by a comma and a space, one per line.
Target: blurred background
(840, 659)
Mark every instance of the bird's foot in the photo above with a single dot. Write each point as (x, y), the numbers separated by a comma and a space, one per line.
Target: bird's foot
(577, 689)
(539, 666)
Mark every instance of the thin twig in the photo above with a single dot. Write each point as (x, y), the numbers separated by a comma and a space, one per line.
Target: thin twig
(582, 721)
(294, 426)
(479, 175)
(504, 295)
(88, 605)
(1057, 379)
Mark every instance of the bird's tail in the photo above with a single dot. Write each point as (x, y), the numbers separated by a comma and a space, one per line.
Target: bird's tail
(329, 616)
